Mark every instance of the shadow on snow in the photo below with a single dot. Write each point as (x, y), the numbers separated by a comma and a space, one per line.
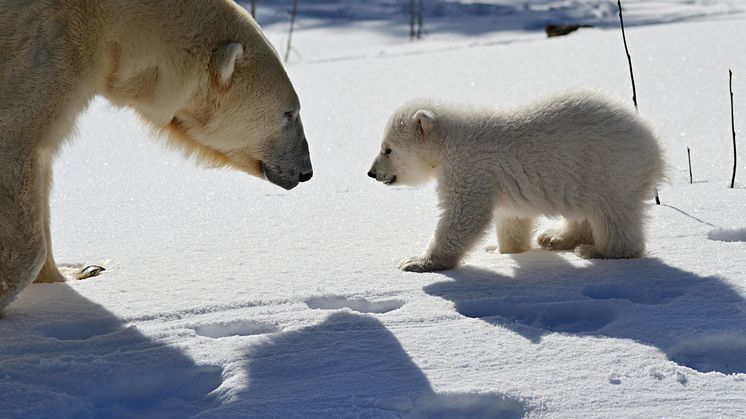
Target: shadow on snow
(452, 16)
(350, 366)
(62, 355)
(91, 366)
(697, 321)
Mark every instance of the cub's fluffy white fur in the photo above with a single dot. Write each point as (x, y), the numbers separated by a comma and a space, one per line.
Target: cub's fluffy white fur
(577, 155)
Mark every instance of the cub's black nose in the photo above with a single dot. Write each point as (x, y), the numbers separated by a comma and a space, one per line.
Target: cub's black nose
(305, 177)
(372, 174)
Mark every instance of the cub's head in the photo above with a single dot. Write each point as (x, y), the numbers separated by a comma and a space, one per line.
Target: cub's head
(408, 154)
(246, 114)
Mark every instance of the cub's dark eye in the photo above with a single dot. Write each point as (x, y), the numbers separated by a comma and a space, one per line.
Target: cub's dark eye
(289, 114)
(387, 151)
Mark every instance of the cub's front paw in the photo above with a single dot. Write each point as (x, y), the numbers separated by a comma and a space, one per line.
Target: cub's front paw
(551, 241)
(422, 264)
(588, 251)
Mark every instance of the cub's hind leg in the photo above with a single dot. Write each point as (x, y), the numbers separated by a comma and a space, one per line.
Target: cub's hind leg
(571, 235)
(617, 235)
(514, 233)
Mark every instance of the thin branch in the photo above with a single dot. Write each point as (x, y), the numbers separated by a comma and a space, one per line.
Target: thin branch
(689, 156)
(629, 58)
(292, 26)
(733, 130)
(411, 20)
(420, 19)
(632, 76)
(253, 9)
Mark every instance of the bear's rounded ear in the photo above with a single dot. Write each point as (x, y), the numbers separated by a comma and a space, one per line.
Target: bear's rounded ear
(225, 58)
(425, 121)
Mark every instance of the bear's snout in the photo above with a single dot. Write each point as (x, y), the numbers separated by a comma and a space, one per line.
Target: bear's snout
(372, 174)
(306, 170)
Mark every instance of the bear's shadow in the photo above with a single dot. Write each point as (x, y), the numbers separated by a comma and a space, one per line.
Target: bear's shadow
(696, 321)
(351, 365)
(62, 355)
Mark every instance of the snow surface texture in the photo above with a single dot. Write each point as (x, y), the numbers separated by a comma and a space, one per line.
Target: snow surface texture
(225, 296)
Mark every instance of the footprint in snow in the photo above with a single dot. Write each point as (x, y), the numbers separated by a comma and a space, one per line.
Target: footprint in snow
(142, 389)
(723, 353)
(361, 305)
(566, 316)
(634, 292)
(217, 330)
(81, 330)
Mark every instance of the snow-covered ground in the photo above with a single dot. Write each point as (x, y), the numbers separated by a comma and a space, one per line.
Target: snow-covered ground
(225, 296)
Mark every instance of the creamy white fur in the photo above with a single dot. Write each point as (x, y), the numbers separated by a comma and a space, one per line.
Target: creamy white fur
(200, 71)
(577, 155)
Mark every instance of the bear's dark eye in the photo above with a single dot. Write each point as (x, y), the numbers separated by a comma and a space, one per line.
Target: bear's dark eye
(289, 114)
(387, 151)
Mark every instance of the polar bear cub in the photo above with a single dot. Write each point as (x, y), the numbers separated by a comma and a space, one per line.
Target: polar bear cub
(577, 155)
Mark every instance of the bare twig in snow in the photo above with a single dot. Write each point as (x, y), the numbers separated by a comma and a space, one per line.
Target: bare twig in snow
(629, 58)
(292, 26)
(689, 157)
(632, 76)
(411, 20)
(420, 19)
(733, 130)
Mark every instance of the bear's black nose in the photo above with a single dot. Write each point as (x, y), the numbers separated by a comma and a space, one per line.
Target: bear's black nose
(305, 177)
(372, 174)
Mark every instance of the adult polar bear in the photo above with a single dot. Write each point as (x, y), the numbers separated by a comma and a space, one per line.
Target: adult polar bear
(199, 71)
(578, 155)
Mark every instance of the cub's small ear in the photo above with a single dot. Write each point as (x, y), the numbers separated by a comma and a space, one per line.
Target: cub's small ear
(226, 57)
(425, 121)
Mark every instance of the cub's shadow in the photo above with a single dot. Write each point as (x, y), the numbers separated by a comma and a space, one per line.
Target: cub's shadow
(350, 365)
(62, 355)
(697, 321)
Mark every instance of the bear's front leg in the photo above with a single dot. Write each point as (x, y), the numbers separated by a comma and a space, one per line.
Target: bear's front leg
(49, 272)
(467, 214)
(22, 246)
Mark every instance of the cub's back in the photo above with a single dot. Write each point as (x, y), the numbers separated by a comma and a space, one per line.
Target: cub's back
(609, 136)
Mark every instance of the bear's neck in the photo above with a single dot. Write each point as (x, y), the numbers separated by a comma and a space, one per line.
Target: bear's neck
(465, 136)
(143, 59)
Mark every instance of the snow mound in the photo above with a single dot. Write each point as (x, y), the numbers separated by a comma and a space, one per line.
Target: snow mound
(234, 328)
(360, 305)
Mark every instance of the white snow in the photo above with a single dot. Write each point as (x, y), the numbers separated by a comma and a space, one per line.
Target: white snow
(225, 296)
